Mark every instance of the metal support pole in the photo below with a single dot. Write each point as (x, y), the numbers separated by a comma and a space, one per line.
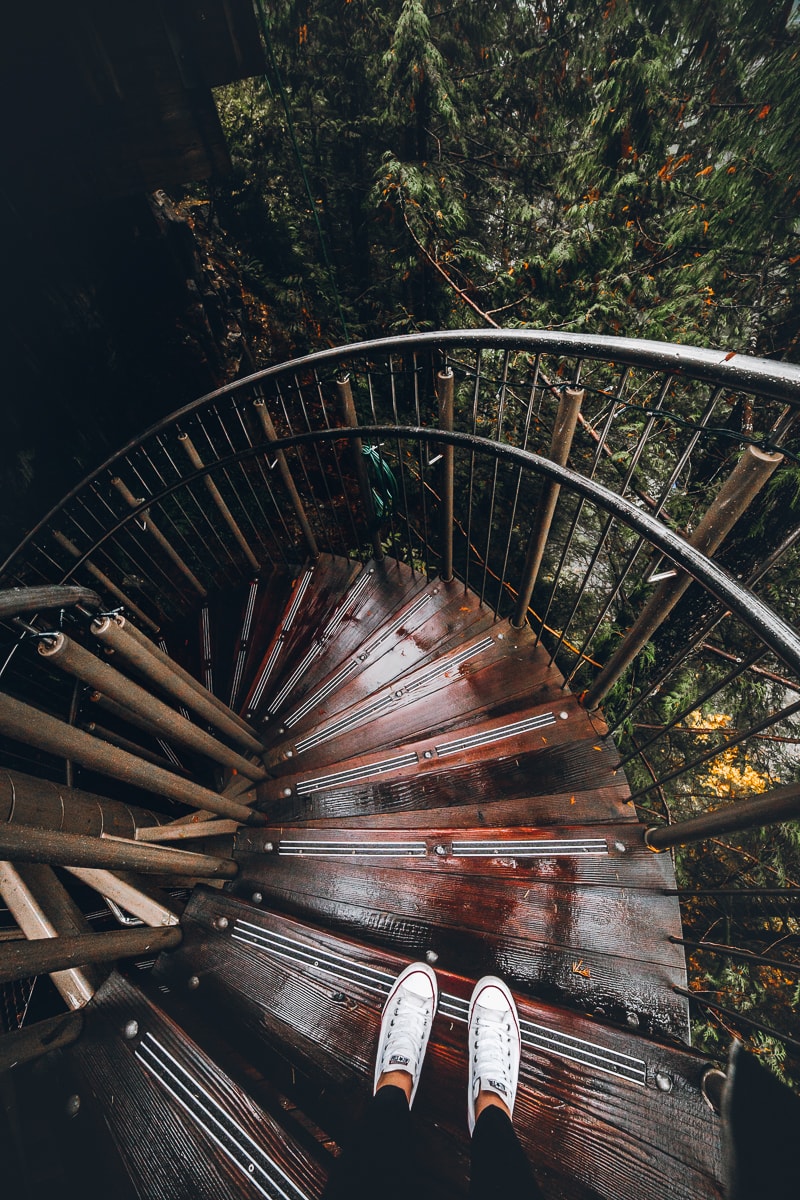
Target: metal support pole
(741, 487)
(735, 952)
(146, 902)
(103, 580)
(62, 652)
(25, 844)
(33, 1041)
(35, 728)
(24, 959)
(158, 536)
(351, 420)
(216, 496)
(569, 406)
(26, 800)
(286, 475)
(781, 804)
(135, 649)
(445, 386)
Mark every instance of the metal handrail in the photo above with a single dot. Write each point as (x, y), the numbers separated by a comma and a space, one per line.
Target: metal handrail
(733, 371)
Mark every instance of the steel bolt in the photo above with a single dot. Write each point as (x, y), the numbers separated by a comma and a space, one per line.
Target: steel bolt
(427, 754)
(431, 957)
(287, 791)
(663, 1082)
(440, 850)
(131, 1029)
(564, 715)
(73, 1106)
(193, 982)
(620, 846)
(268, 846)
(221, 923)
(257, 897)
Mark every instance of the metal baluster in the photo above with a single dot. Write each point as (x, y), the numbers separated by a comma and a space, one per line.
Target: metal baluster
(176, 534)
(240, 466)
(332, 508)
(158, 536)
(401, 467)
(474, 430)
(512, 518)
(258, 466)
(421, 453)
(298, 452)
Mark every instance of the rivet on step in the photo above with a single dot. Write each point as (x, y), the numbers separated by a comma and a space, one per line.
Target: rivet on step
(256, 897)
(268, 846)
(633, 1019)
(500, 637)
(663, 1082)
(73, 1106)
(431, 957)
(282, 729)
(131, 1029)
(440, 850)
(290, 753)
(221, 923)
(193, 982)
(338, 998)
(620, 846)
(564, 716)
(287, 791)
(427, 754)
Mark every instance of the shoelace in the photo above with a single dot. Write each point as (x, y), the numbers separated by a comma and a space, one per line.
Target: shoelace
(493, 1036)
(407, 1027)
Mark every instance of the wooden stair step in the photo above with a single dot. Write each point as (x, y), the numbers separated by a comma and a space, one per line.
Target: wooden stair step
(544, 929)
(437, 618)
(315, 593)
(601, 1112)
(378, 591)
(485, 676)
(180, 1128)
(537, 726)
(573, 780)
(605, 855)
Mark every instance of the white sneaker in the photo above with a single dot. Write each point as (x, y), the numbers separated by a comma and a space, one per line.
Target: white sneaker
(494, 1044)
(406, 1023)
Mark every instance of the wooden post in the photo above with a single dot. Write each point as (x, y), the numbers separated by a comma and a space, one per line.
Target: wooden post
(446, 383)
(23, 959)
(351, 420)
(569, 406)
(35, 728)
(749, 475)
(31, 1042)
(780, 804)
(135, 649)
(62, 652)
(26, 800)
(103, 580)
(216, 496)
(24, 843)
(158, 536)
(286, 475)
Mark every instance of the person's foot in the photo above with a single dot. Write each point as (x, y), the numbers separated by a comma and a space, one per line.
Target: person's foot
(494, 1048)
(405, 1029)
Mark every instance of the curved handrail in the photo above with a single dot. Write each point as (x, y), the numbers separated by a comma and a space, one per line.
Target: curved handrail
(734, 371)
(768, 626)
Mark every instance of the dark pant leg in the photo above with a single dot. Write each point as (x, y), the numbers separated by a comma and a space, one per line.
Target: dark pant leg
(500, 1167)
(379, 1162)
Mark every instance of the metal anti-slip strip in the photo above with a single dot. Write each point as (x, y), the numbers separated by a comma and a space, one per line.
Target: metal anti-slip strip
(495, 735)
(529, 848)
(249, 610)
(322, 694)
(311, 847)
(237, 1145)
(339, 777)
(298, 599)
(534, 1035)
(399, 621)
(265, 674)
(297, 674)
(349, 600)
(344, 724)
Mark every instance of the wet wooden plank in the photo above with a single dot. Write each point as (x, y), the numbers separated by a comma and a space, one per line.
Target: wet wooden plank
(537, 786)
(314, 594)
(180, 1127)
(609, 856)
(375, 595)
(546, 722)
(605, 948)
(308, 1002)
(438, 617)
(491, 674)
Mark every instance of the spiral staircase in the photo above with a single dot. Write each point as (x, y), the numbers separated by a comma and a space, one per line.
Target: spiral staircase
(306, 684)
